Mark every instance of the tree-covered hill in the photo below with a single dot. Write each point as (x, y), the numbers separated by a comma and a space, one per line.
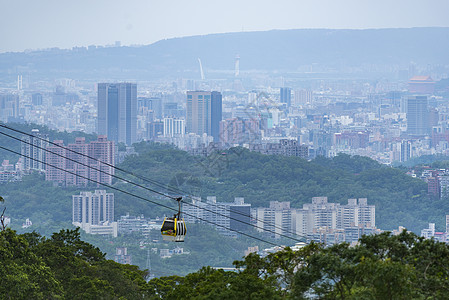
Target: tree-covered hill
(399, 199)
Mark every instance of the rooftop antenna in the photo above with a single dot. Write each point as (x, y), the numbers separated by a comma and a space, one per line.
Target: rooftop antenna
(237, 66)
(201, 69)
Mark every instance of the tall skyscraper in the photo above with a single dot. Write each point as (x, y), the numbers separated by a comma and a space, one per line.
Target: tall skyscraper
(204, 113)
(216, 115)
(417, 115)
(117, 111)
(286, 95)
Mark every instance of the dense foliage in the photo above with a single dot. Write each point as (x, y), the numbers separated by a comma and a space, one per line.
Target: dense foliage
(204, 246)
(381, 267)
(63, 267)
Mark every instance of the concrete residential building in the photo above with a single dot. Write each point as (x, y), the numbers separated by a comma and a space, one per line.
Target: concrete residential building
(303, 97)
(33, 150)
(356, 213)
(318, 220)
(93, 208)
(320, 214)
(235, 215)
(77, 163)
(274, 220)
(56, 162)
(94, 212)
(104, 152)
(70, 165)
(174, 127)
(117, 111)
(122, 256)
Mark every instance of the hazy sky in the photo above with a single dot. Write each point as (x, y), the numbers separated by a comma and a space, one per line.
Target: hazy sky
(32, 24)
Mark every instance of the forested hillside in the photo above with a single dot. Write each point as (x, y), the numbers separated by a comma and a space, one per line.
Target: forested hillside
(399, 199)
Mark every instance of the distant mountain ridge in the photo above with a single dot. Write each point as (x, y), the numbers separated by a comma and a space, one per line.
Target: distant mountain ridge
(285, 50)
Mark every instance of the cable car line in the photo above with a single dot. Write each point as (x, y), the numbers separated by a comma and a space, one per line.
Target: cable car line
(149, 189)
(137, 196)
(172, 189)
(154, 182)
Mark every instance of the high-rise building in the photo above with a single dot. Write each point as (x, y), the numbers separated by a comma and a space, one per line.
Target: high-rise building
(56, 162)
(286, 95)
(275, 220)
(36, 99)
(155, 129)
(174, 127)
(93, 208)
(216, 115)
(318, 218)
(71, 165)
(406, 151)
(356, 213)
(417, 115)
(117, 111)
(153, 103)
(302, 97)
(227, 216)
(9, 107)
(204, 113)
(94, 212)
(33, 150)
(104, 152)
(77, 163)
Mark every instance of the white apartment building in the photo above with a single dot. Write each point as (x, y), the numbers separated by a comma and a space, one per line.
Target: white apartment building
(227, 216)
(94, 212)
(317, 217)
(174, 127)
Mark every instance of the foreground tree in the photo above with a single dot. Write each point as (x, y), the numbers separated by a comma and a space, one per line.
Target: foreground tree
(63, 266)
(24, 274)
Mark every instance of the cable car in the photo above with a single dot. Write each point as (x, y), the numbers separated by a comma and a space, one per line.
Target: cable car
(174, 229)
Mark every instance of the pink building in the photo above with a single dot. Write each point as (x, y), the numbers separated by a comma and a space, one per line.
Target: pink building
(103, 151)
(56, 163)
(82, 161)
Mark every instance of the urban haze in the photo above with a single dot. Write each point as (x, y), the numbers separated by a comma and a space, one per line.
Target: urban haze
(186, 150)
